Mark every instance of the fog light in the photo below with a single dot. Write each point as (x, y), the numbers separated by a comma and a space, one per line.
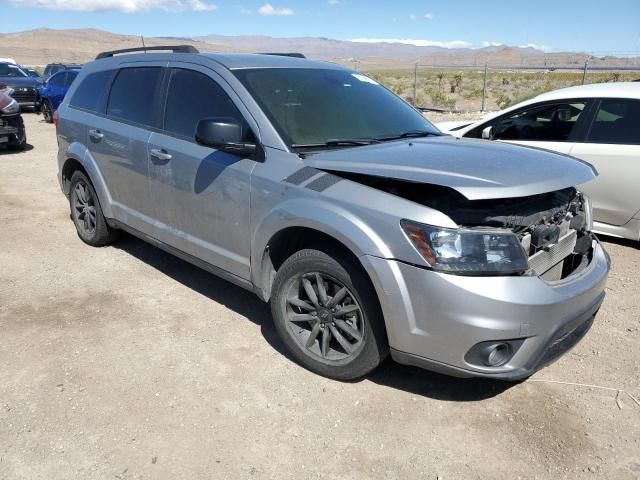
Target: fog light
(498, 354)
(493, 353)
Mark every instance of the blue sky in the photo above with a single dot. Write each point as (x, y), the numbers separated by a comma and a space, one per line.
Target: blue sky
(578, 25)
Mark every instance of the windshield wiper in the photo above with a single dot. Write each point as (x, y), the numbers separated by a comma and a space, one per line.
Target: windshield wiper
(409, 134)
(338, 142)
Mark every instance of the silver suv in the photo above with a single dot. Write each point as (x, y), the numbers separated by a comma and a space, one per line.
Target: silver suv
(367, 230)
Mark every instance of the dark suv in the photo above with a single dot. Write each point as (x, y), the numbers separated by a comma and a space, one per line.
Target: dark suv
(24, 87)
(367, 230)
(53, 68)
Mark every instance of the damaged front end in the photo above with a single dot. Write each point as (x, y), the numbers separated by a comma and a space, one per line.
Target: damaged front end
(553, 230)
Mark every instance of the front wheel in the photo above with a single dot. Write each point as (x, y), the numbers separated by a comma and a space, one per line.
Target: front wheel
(20, 140)
(327, 314)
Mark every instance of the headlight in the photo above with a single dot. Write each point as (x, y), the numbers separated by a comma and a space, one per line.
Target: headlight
(467, 251)
(13, 107)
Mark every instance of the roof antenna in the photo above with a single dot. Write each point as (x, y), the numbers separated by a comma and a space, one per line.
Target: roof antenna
(143, 45)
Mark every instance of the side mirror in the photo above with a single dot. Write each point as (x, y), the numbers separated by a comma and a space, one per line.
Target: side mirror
(487, 133)
(224, 134)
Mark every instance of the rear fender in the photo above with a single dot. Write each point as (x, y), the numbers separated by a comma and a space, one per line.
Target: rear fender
(79, 152)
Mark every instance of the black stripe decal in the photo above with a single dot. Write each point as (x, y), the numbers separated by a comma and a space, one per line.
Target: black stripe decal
(301, 176)
(320, 184)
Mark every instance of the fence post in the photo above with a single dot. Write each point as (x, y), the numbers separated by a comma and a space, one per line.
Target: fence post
(484, 89)
(415, 85)
(584, 73)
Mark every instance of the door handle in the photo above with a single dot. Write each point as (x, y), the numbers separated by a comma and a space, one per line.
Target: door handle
(96, 134)
(161, 155)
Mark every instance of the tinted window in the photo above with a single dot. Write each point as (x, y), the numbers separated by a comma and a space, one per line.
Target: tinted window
(312, 105)
(193, 96)
(57, 80)
(92, 92)
(134, 95)
(9, 70)
(551, 123)
(68, 80)
(617, 121)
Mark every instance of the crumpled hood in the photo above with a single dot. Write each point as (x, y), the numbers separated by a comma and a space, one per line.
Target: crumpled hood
(476, 169)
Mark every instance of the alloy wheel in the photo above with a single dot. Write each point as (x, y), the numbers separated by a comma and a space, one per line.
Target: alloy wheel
(84, 209)
(324, 317)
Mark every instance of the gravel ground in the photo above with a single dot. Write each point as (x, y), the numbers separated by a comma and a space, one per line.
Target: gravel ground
(124, 362)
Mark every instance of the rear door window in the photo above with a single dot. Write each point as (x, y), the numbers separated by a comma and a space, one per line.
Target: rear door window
(191, 97)
(135, 95)
(617, 122)
(57, 80)
(92, 93)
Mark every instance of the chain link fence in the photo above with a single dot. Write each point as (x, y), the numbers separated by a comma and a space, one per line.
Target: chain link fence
(473, 88)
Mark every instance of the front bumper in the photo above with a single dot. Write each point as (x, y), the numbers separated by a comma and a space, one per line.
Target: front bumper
(7, 132)
(434, 319)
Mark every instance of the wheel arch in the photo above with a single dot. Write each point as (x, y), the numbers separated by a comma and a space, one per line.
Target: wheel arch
(293, 227)
(78, 158)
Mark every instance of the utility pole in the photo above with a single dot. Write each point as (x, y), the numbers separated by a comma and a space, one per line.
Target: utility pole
(415, 84)
(484, 89)
(584, 73)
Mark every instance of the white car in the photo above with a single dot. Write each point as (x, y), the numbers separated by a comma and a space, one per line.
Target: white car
(599, 124)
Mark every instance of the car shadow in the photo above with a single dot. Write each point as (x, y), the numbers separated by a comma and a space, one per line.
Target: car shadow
(4, 150)
(409, 379)
(624, 242)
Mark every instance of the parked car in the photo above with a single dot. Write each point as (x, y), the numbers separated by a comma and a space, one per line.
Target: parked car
(53, 68)
(51, 94)
(366, 229)
(596, 123)
(12, 131)
(24, 86)
(31, 72)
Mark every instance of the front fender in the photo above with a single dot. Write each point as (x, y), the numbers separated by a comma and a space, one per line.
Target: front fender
(78, 152)
(314, 213)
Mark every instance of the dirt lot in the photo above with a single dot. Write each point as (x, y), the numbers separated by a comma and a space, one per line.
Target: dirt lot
(126, 363)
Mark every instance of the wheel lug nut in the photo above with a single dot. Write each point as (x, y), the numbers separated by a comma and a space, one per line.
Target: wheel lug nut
(313, 314)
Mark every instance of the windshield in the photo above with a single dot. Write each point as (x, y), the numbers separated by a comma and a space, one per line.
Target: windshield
(8, 70)
(313, 106)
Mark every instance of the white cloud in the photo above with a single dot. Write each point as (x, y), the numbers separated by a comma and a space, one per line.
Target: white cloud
(412, 17)
(270, 10)
(333, 2)
(126, 6)
(491, 44)
(536, 46)
(200, 6)
(416, 42)
(428, 16)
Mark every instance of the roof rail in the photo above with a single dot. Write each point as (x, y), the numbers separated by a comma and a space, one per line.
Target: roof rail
(292, 54)
(173, 48)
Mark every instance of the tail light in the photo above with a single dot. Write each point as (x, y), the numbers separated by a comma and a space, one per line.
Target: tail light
(56, 118)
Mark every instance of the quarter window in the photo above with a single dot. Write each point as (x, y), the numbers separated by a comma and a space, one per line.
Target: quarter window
(92, 92)
(193, 96)
(134, 95)
(616, 122)
(543, 123)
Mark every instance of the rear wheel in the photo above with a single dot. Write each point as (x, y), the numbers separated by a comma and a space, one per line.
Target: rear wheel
(47, 111)
(327, 314)
(86, 213)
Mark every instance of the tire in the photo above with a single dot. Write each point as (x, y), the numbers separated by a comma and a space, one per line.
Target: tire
(20, 142)
(47, 111)
(86, 213)
(298, 316)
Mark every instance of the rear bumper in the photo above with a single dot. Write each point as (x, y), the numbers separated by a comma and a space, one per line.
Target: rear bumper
(433, 320)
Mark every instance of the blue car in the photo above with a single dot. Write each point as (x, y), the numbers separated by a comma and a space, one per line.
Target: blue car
(51, 94)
